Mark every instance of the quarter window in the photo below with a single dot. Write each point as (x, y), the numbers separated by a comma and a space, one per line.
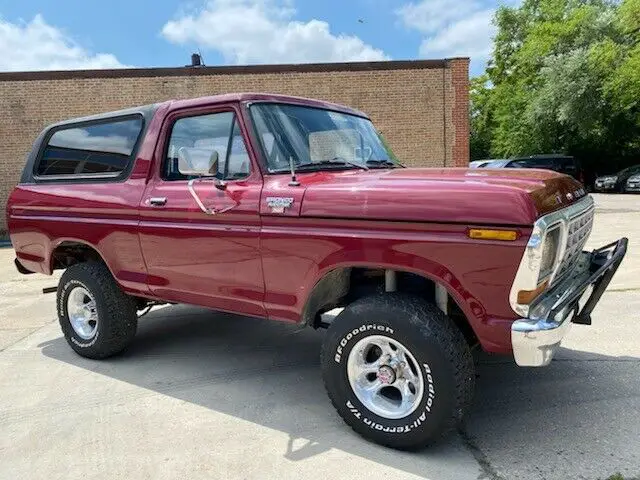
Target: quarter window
(99, 149)
(206, 145)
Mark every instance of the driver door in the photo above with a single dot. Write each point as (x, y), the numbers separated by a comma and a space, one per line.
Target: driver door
(200, 221)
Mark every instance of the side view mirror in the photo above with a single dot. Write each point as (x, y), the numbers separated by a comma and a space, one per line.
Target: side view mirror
(198, 162)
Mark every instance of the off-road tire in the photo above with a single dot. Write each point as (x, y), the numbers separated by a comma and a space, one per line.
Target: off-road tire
(437, 345)
(117, 312)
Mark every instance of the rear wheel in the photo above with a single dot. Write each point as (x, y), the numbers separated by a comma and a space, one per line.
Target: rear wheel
(397, 370)
(97, 318)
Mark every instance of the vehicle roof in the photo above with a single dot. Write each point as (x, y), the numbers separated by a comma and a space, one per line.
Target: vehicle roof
(144, 110)
(542, 156)
(248, 97)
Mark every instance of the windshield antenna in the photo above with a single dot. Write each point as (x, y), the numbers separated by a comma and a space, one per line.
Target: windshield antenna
(294, 181)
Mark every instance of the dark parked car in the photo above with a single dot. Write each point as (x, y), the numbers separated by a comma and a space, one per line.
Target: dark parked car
(559, 163)
(616, 182)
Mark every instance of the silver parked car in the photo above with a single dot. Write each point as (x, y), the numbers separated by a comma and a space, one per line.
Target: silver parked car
(633, 183)
(486, 163)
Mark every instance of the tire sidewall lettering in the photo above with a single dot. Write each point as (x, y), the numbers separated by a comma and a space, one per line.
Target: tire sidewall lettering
(439, 357)
(421, 415)
(369, 327)
(361, 413)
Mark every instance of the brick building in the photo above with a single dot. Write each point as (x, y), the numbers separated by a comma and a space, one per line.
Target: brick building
(421, 107)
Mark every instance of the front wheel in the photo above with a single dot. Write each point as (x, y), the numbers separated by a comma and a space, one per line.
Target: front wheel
(397, 370)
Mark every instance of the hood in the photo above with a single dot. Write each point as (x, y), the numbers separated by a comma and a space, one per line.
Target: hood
(474, 196)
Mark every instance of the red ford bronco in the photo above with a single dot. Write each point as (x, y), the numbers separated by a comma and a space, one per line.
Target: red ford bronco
(287, 208)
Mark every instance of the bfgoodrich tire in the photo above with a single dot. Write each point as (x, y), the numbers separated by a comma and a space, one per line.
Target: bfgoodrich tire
(97, 318)
(397, 370)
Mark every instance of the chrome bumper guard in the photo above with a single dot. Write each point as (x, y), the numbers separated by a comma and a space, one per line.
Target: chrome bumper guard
(536, 339)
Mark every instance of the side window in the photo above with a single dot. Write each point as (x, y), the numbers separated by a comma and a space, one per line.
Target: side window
(101, 149)
(237, 164)
(567, 165)
(547, 164)
(517, 164)
(206, 145)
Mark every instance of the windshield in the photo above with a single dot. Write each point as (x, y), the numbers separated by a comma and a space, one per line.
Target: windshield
(315, 138)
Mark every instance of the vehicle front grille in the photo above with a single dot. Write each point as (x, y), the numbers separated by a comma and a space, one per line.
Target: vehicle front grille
(578, 230)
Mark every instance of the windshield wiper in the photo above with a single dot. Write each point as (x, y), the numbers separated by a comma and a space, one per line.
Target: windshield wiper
(334, 161)
(382, 163)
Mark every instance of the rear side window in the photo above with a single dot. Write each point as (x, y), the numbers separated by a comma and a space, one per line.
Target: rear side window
(101, 149)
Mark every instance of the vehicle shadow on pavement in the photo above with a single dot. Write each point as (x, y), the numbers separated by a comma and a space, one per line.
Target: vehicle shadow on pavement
(268, 373)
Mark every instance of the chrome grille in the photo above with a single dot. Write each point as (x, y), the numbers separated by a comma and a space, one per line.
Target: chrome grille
(578, 230)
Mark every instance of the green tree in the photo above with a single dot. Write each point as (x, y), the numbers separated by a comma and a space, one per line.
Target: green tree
(481, 118)
(564, 77)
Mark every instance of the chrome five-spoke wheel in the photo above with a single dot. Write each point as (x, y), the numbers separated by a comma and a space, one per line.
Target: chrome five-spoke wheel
(385, 376)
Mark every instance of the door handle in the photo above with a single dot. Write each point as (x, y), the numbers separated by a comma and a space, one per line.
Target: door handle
(158, 201)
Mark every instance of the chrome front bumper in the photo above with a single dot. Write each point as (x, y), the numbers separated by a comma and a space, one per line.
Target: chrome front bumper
(536, 339)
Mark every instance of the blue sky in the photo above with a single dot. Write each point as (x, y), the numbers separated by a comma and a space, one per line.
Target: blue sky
(72, 34)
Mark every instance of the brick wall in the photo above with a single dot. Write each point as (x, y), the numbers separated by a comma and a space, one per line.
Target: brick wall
(421, 107)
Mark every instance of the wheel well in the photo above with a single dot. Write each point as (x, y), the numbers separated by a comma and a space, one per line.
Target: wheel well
(69, 253)
(342, 286)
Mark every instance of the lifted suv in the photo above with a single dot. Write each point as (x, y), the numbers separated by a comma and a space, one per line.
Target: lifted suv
(287, 209)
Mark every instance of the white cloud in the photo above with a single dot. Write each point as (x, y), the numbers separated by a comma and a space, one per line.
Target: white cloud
(450, 30)
(469, 36)
(429, 16)
(263, 31)
(36, 45)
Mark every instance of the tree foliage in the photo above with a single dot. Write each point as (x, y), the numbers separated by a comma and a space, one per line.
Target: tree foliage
(564, 77)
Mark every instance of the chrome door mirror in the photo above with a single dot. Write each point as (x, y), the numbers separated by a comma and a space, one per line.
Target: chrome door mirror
(198, 162)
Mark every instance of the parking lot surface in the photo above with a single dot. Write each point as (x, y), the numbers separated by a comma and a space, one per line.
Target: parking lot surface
(208, 395)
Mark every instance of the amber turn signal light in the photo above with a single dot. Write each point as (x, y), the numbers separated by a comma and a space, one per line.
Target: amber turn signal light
(525, 297)
(487, 234)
